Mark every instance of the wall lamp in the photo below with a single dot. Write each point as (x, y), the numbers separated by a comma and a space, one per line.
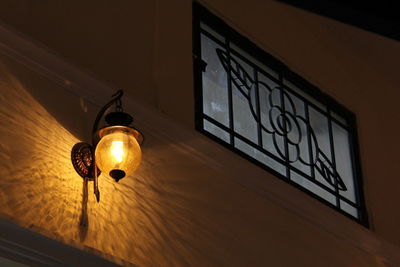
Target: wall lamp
(115, 148)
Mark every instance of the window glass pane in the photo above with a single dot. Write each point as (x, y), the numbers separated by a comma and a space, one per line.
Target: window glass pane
(343, 160)
(319, 126)
(305, 183)
(263, 67)
(261, 157)
(266, 81)
(268, 143)
(244, 122)
(215, 93)
(295, 105)
(267, 99)
(304, 94)
(216, 131)
(212, 32)
(348, 209)
(242, 73)
(339, 118)
(244, 110)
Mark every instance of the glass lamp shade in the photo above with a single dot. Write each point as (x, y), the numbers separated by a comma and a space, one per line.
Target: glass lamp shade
(118, 153)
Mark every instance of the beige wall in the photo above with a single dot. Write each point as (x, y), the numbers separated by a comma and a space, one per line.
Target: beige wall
(178, 210)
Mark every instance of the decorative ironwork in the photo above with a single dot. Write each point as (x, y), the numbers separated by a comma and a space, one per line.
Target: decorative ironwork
(82, 159)
(285, 122)
(254, 105)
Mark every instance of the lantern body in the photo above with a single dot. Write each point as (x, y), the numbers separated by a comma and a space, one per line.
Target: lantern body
(118, 153)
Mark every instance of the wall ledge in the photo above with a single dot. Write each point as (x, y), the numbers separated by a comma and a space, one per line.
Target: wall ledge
(33, 248)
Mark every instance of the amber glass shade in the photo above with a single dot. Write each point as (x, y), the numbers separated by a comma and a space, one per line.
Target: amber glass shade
(118, 153)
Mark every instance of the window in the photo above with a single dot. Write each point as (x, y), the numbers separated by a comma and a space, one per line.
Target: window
(254, 105)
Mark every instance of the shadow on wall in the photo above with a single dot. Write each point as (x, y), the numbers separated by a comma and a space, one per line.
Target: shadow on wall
(71, 111)
(149, 219)
(38, 185)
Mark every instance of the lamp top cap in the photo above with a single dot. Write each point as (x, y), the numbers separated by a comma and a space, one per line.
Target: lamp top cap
(118, 118)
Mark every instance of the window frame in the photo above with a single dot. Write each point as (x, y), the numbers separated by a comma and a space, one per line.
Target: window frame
(202, 14)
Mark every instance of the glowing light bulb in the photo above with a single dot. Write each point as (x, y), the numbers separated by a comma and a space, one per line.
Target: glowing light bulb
(117, 151)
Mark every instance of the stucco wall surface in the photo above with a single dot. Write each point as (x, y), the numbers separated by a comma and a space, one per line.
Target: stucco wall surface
(175, 211)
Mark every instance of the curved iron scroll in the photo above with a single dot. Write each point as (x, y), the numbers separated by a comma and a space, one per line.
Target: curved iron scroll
(116, 99)
(284, 123)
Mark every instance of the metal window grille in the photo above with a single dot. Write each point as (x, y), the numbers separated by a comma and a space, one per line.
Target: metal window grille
(253, 104)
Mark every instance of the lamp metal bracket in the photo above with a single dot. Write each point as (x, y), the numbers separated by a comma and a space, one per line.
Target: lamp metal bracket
(82, 155)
